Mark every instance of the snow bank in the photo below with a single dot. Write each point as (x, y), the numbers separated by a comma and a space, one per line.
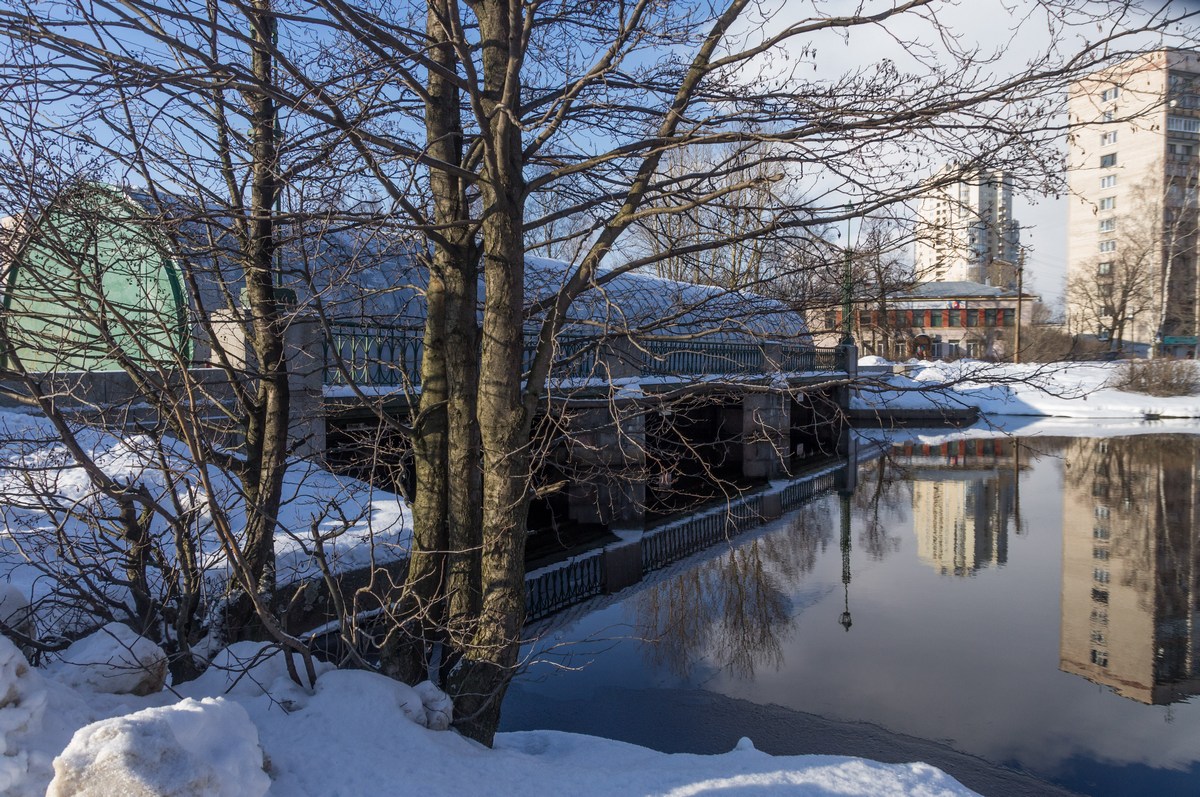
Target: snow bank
(46, 498)
(22, 704)
(196, 748)
(114, 660)
(1062, 390)
(355, 733)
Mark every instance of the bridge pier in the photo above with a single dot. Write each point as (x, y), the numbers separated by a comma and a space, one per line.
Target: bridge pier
(606, 451)
(766, 434)
(305, 352)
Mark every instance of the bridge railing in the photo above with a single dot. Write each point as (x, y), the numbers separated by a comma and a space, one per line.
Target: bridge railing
(390, 356)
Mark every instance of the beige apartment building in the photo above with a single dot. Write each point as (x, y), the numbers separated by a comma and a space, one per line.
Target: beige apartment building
(1133, 153)
(1131, 566)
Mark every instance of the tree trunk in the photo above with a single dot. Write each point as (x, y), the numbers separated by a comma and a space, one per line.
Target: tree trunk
(479, 682)
(267, 427)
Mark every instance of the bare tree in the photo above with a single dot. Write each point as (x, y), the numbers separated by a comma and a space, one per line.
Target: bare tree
(458, 116)
(1141, 284)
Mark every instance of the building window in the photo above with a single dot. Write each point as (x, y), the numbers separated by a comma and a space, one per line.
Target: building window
(1100, 576)
(1108, 116)
(1100, 532)
(1180, 152)
(1108, 161)
(972, 318)
(935, 318)
(1100, 553)
(1100, 595)
(1100, 658)
(1110, 94)
(864, 319)
(989, 318)
(1105, 268)
(1010, 317)
(974, 349)
(1108, 203)
(1098, 637)
(1108, 181)
(1108, 225)
(1108, 138)
(1100, 617)
(1183, 124)
(1102, 513)
(1108, 246)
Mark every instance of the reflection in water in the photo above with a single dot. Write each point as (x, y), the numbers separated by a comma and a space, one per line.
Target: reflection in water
(1130, 566)
(735, 610)
(1109, 536)
(964, 495)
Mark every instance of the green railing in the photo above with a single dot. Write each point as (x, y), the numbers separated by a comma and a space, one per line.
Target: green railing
(810, 358)
(373, 355)
(390, 356)
(675, 357)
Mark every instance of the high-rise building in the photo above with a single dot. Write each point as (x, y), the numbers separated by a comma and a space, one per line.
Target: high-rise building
(1132, 175)
(965, 229)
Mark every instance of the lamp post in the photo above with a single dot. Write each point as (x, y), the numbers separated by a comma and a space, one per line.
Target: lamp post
(844, 619)
(847, 286)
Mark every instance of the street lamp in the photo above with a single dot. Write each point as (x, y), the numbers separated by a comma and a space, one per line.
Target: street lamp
(844, 619)
(847, 286)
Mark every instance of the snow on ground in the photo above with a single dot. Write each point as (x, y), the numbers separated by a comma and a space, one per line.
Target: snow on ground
(357, 733)
(82, 723)
(46, 498)
(1065, 390)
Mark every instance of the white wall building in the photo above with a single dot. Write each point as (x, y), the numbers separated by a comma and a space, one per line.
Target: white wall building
(965, 229)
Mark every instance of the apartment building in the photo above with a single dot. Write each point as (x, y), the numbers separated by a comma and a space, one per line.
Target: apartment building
(1133, 152)
(965, 230)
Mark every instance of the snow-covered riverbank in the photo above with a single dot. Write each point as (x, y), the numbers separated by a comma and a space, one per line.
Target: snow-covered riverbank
(358, 733)
(1061, 390)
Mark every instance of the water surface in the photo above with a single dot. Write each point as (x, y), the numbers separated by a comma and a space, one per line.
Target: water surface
(1024, 604)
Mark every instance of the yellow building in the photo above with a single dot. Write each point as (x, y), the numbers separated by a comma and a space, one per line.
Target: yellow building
(1133, 155)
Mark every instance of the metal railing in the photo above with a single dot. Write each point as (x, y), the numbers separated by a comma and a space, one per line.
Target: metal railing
(809, 358)
(373, 355)
(560, 587)
(801, 492)
(661, 547)
(390, 356)
(674, 357)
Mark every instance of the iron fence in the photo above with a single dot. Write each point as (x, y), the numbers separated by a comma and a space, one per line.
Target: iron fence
(373, 355)
(552, 590)
(810, 358)
(681, 357)
(671, 543)
(390, 356)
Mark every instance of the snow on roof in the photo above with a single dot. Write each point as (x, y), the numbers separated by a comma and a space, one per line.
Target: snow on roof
(956, 289)
(364, 274)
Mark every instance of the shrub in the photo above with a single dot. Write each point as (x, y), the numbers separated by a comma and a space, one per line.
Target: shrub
(1159, 377)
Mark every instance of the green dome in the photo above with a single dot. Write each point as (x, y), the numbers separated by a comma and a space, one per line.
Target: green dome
(93, 281)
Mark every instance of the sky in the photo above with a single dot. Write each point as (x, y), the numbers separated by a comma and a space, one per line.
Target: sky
(1014, 32)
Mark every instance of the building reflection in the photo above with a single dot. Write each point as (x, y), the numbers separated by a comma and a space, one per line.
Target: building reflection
(965, 494)
(1130, 601)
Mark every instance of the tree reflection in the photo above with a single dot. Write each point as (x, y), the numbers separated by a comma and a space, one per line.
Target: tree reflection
(735, 609)
(883, 498)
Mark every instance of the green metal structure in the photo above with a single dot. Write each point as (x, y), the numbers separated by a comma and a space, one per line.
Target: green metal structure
(93, 283)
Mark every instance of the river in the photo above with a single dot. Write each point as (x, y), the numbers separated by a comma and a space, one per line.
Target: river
(1020, 611)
